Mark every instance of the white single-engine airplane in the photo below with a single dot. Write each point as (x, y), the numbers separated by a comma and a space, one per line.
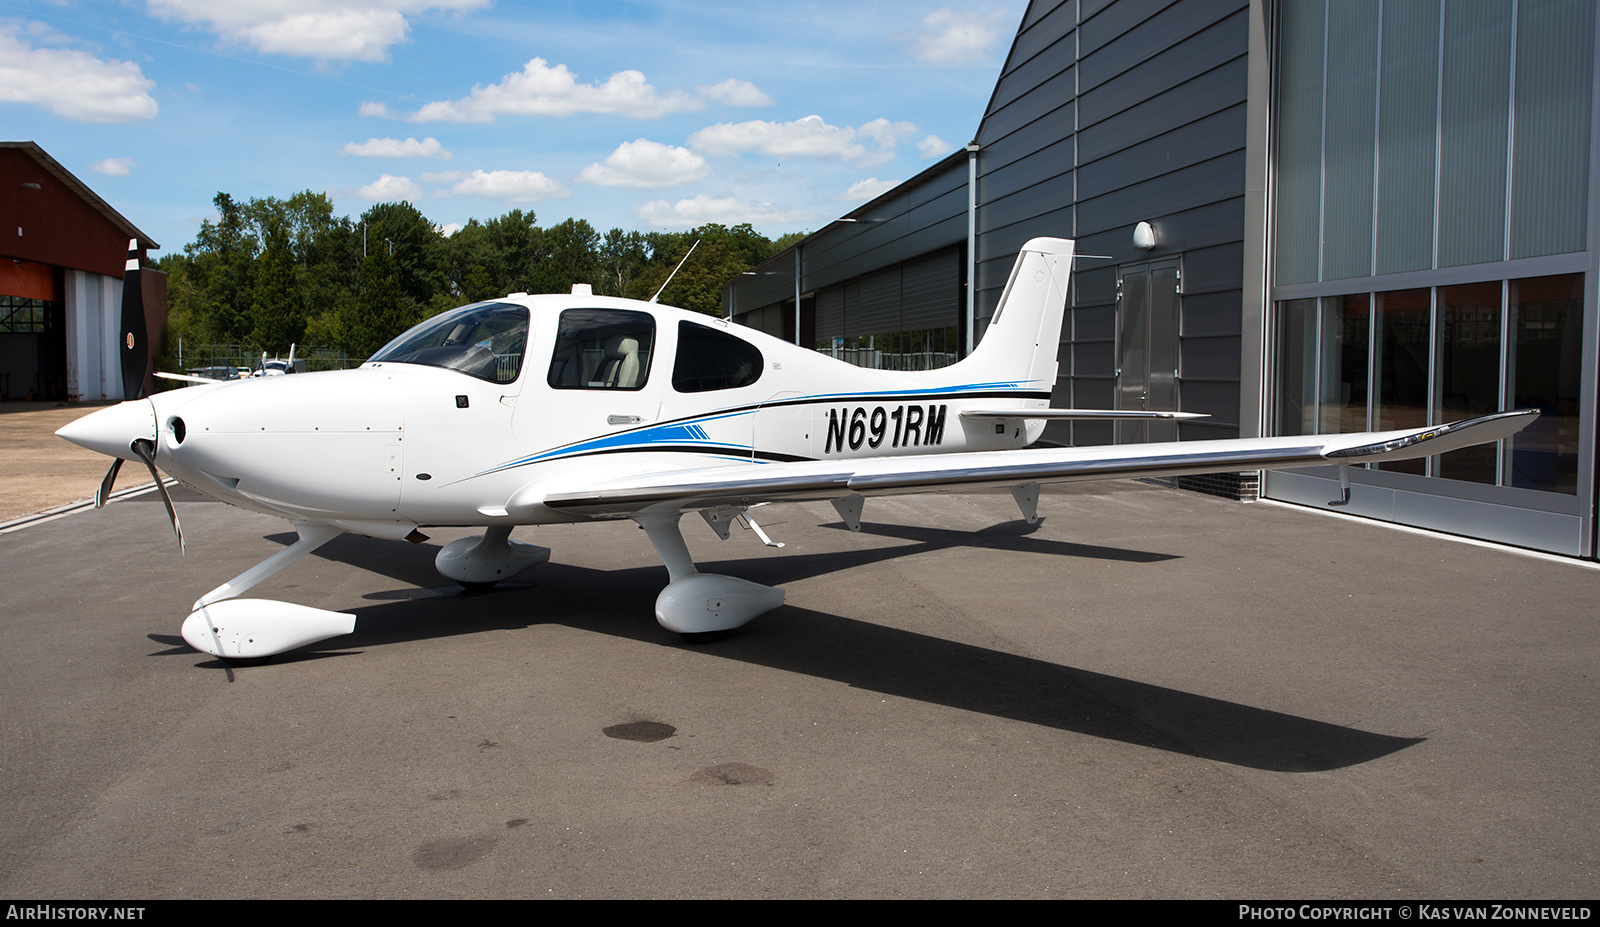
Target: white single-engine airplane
(537, 410)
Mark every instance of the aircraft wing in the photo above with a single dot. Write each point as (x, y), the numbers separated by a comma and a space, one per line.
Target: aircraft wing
(708, 487)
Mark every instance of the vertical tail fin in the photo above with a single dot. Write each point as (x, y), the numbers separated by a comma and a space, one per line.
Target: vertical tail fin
(1024, 335)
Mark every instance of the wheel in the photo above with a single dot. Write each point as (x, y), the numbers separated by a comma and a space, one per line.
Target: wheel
(245, 661)
(703, 637)
(475, 588)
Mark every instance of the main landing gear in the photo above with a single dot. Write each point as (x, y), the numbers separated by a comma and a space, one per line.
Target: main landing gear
(700, 606)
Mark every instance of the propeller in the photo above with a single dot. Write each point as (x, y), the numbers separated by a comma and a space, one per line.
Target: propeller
(103, 494)
(135, 353)
(147, 453)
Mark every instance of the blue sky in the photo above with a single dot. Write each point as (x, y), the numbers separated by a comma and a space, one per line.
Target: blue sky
(642, 115)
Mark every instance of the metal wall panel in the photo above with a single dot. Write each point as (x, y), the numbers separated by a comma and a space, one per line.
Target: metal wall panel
(931, 292)
(1031, 73)
(1187, 145)
(1154, 36)
(1212, 91)
(1040, 30)
(1210, 48)
(1048, 136)
(1211, 313)
(1221, 178)
(1048, 95)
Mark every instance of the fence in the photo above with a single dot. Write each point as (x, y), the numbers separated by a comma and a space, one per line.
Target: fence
(223, 361)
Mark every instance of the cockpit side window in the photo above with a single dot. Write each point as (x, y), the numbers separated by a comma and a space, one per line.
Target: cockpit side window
(484, 340)
(602, 349)
(709, 359)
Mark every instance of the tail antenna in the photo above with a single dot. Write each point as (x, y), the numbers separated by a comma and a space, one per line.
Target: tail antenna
(675, 270)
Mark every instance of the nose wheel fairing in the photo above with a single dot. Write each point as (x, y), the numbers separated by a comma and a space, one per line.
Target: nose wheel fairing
(254, 628)
(232, 628)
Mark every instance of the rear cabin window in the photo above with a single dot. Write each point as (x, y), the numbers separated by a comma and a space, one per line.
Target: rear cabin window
(709, 359)
(602, 349)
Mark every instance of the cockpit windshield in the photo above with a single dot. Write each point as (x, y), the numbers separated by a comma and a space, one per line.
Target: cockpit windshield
(484, 340)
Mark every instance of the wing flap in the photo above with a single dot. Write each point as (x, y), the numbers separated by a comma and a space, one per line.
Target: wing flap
(831, 479)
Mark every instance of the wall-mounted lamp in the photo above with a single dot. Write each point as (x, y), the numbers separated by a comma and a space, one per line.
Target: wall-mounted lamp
(31, 185)
(1144, 237)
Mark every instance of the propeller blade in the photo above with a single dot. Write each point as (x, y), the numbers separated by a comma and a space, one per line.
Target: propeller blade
(103, 494)
(147, 453)
(135, 352)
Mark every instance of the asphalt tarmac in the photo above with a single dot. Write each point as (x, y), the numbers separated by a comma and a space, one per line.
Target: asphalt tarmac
(1153, 694)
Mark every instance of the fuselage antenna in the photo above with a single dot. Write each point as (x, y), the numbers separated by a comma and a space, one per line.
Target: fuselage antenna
(675, 270)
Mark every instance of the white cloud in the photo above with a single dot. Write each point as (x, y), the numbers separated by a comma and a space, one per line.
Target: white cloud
(736, 92)
(395, 148)
(726, 210)
(327, 30)
(810, 137)
(450, 228)
(646, 165)
(390, 188)
(511, 186)
(951, 37)
(377, 110)
(113, 167)
(72, 84)
(863, 190)
(541, 90)
(933, 146)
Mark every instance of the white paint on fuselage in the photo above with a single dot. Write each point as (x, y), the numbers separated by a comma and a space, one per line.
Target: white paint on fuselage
(404, 445)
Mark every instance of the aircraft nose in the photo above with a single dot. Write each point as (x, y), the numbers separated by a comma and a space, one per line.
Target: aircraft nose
(112, 430)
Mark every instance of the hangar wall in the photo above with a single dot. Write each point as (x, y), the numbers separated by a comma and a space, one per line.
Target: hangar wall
(60, 296)
(1107, 114)
(1367, 214)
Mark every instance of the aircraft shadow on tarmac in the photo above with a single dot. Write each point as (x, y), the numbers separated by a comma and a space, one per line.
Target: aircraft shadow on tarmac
(861, 654)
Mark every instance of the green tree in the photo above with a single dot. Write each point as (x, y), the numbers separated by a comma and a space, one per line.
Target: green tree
(570, 256)
(380, 312)
(222, 259)
(405, 235)
(622, 258)
(277, 316)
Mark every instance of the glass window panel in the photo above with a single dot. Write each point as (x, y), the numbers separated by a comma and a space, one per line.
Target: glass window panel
(1346, 321)
(1299, 167)
(1294, 399)
(483, 340)
(1351, 121)
(1469, 372)
(602, 349)
(1403, 347)
(1473, 128)
(1550, 159)
(1407, 135)
(710, 359)
(1547, 332)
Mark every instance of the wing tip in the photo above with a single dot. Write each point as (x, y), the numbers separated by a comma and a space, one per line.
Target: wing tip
(1498, 425)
